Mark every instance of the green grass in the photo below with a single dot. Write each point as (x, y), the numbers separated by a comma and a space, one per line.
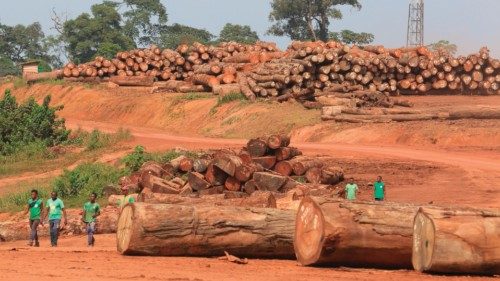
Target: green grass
(17, 199)
(134, 160)
(82, 145)
(190, 97)
(228, 99)
(53, 81)
(19, 82)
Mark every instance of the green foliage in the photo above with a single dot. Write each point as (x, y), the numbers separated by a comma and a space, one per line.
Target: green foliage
(351, 37)
(173, 35)
(444, 47)
(96, 139)
(144, 19)
(238, 33)
(7, 67)
(19, 82)
(96, 34)
(305, 19)
(20, 43)
(29, 122)
(85, 179)
(139, 156)
(16, 201)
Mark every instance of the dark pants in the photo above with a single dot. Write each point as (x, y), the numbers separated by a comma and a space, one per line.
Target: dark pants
(90, 233)
(54, 231)
(379, 199)
(34, 230)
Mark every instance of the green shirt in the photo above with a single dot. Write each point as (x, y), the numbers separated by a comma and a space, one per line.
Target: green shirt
(350, 191)
(35, 207)
(127, 200)
(55, 208)
(378, 189)
(90, 210)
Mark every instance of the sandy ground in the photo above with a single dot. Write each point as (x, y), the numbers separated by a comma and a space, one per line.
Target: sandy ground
(73, 261)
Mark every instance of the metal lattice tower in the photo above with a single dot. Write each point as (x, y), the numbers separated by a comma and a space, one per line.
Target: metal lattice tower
(415, 35)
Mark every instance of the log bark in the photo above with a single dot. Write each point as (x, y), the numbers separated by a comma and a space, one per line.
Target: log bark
(452, 240)
(338, 232)
(144, 81)
(232, 184)
(200, 165)
(228, 163)
(267, 162)
(269, 182)
(159, 185)
(178, 230)
(301, 167)
(250, 187)
(197, 181)
(283, 168)
(286, 153)
(277, 141)
(257, 147)
(215, 176)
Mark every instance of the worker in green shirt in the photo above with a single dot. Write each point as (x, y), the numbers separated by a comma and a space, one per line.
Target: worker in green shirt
(379, 189)
(350, 190)
(35, 207)
(127, 198)
(91, 211)
(55, 210)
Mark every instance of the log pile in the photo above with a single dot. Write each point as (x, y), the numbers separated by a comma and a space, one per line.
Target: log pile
(266, 164)
(314, 73)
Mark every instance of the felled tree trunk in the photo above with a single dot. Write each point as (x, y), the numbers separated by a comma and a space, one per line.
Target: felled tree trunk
(457, 241)
(338, 232)
(144, 81)
(179, 230)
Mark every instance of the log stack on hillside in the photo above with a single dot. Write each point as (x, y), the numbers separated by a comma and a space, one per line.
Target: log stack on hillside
(264, 166)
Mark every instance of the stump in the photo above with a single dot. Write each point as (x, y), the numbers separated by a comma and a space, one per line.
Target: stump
(457, 241)
(178, 230)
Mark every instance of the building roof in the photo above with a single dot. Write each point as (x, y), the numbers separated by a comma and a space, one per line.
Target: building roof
(36, 62)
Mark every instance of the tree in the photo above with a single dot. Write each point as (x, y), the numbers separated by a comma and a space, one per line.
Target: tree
(351, 37)
(305, 19)
(7, 67)
(96, 34)
(173, 35)
(144, 20)
(238, 33)
(444, 46)
(20, 43)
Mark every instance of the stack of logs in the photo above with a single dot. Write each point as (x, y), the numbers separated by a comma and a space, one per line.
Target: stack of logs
(305, 72)
(265, 164)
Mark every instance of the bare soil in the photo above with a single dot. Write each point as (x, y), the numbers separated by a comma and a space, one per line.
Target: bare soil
(73, 261)
(438, 162)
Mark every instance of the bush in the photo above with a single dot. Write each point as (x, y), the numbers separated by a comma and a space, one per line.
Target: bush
(29, 122)
(227, 99)
(139, 156)
(85, 179)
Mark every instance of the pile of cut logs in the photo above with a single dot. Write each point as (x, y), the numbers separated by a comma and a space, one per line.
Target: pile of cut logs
(265, 164)
(304, 71)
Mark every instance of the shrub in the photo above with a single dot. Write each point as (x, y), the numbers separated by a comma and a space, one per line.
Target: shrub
(29, 122)
(139, 156)
(85, 179)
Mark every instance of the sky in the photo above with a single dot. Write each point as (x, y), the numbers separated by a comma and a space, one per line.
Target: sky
(470, 24)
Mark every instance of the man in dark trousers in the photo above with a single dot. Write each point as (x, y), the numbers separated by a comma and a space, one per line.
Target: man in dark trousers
(35, 207)
(379, 189)
(91, 210)
(55, 210)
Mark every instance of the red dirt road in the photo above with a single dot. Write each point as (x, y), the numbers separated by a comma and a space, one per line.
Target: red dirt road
(73, 261)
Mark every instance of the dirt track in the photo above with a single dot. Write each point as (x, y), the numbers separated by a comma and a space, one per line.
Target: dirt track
(73, 261)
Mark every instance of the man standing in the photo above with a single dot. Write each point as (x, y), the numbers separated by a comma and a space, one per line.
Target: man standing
(127, 198)
(91, 210)
(350, 190)
(55, 209)
(379, 190)
(35, 207)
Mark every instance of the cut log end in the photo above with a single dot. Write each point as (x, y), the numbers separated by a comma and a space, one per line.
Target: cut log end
(309, 234)
(124, 229)
(423, 242)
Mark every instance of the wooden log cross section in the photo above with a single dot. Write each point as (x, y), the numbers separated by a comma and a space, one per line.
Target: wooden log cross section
(338, 232)
(180, 230)
(463, 241)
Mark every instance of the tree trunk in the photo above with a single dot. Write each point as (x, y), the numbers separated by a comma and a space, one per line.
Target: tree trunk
(145, 81)
(454, 241)
(330, 231)
(257, 147)
(269, 182)
(267, 162)
(177, 230)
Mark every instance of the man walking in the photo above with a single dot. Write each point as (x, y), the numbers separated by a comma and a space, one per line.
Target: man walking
(127, 198)
(55, 210)
(91, 210)
(379, 189)
(350, 190)
(35, 207)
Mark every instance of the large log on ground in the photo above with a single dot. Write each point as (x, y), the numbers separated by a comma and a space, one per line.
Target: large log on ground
(179, 230)
(267, 162)
(157, 184)
(144, 81)
(228, 163)
(277, 141)
(457, 241)
(269, 182)
(257, 147)
(338, 232)
(301, 167)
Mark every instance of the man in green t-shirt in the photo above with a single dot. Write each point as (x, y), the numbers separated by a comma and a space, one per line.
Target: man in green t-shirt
(350, 190)
(35, 207)
(55, 210)
(127, 199)
(91, 210)
(379, 190)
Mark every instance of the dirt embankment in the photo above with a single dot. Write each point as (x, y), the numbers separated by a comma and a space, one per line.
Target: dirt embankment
(200, 117)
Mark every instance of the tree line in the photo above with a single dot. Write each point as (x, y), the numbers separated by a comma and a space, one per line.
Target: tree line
(112, 26)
